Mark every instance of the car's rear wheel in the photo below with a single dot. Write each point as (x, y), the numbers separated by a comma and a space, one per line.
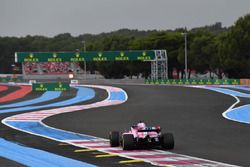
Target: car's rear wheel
(128, 142)
(167, 141)
(114, 139)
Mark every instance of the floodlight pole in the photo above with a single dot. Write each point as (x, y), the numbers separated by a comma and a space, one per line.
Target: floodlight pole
(185, 37)
(85, 64)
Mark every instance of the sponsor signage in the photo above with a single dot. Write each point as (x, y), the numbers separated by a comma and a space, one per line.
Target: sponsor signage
(50, 86)
(84, 56)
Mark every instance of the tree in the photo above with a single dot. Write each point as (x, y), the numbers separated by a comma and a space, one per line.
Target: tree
(203, 52)
(212, 48)
(234, 49)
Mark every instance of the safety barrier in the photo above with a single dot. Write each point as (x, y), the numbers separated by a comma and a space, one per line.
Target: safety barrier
(244, 81)
(199, 81)
(11, 79)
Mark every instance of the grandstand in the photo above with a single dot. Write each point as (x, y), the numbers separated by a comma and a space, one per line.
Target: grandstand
(50, 68)
(55, 71)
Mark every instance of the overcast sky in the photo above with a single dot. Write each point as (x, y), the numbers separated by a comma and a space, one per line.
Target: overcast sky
(51, 17)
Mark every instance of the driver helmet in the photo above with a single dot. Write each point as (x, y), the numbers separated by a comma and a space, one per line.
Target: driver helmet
(141, 125)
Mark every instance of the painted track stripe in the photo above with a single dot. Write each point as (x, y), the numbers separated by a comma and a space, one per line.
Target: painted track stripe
(3, 88)
(34, 157)
(131, 161)
(83, 94)
(88, 142)
(236, 87)
(239, 114)
(48, 95)
(132, 151)
(106, 155)
(227, 91)
(84, 150)
(63, 144)
(23, 91)
(169, 159)
(181, 162)
(99, 147)
(156, 156)
(38, 128)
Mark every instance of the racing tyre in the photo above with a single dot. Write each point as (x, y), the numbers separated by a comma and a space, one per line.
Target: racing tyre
(128, 142)
(167, 141)
(114, 139)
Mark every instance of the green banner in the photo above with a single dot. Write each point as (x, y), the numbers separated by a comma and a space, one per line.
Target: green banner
(209, 82)
(84, 56)
(50, 86)
(195, 81)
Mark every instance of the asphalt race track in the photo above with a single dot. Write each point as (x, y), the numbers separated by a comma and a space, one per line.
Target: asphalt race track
(192, 114)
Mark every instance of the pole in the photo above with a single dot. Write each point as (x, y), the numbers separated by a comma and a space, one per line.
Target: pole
(13, 71)
(186, 72)
(85, 64)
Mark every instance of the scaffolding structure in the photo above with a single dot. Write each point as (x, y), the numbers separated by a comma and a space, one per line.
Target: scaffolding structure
(33, 64)
(159, 66)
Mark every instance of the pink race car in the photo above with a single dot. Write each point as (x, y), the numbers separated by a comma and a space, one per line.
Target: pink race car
(141, 135)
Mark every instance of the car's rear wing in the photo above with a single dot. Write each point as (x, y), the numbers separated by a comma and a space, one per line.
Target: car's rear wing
(150, 130)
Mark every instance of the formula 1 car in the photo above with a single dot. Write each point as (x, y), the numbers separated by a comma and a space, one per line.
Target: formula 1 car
(141, 135)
